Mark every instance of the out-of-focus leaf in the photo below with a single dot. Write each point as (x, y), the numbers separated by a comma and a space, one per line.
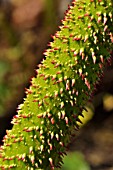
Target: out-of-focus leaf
(108, 102)
(75, 161)
(3, 69)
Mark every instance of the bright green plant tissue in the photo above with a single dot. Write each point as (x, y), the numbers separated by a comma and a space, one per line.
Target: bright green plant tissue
(65, 81)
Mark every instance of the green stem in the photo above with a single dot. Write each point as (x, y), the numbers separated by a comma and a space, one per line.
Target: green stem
(65, 82)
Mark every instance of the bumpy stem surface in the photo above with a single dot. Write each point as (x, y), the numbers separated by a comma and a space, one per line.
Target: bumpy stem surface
(65, 81)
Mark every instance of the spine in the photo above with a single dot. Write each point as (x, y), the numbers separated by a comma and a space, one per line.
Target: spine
(65, 81)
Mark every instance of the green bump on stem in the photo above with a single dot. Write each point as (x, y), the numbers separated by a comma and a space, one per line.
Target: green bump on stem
(65, 81)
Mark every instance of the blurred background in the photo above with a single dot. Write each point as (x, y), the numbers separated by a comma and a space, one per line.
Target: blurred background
(25, 29)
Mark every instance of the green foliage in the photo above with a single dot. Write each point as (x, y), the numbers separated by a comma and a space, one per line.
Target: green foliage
(75, 160)
(21, 48)
(65, 81)
(4, 67)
